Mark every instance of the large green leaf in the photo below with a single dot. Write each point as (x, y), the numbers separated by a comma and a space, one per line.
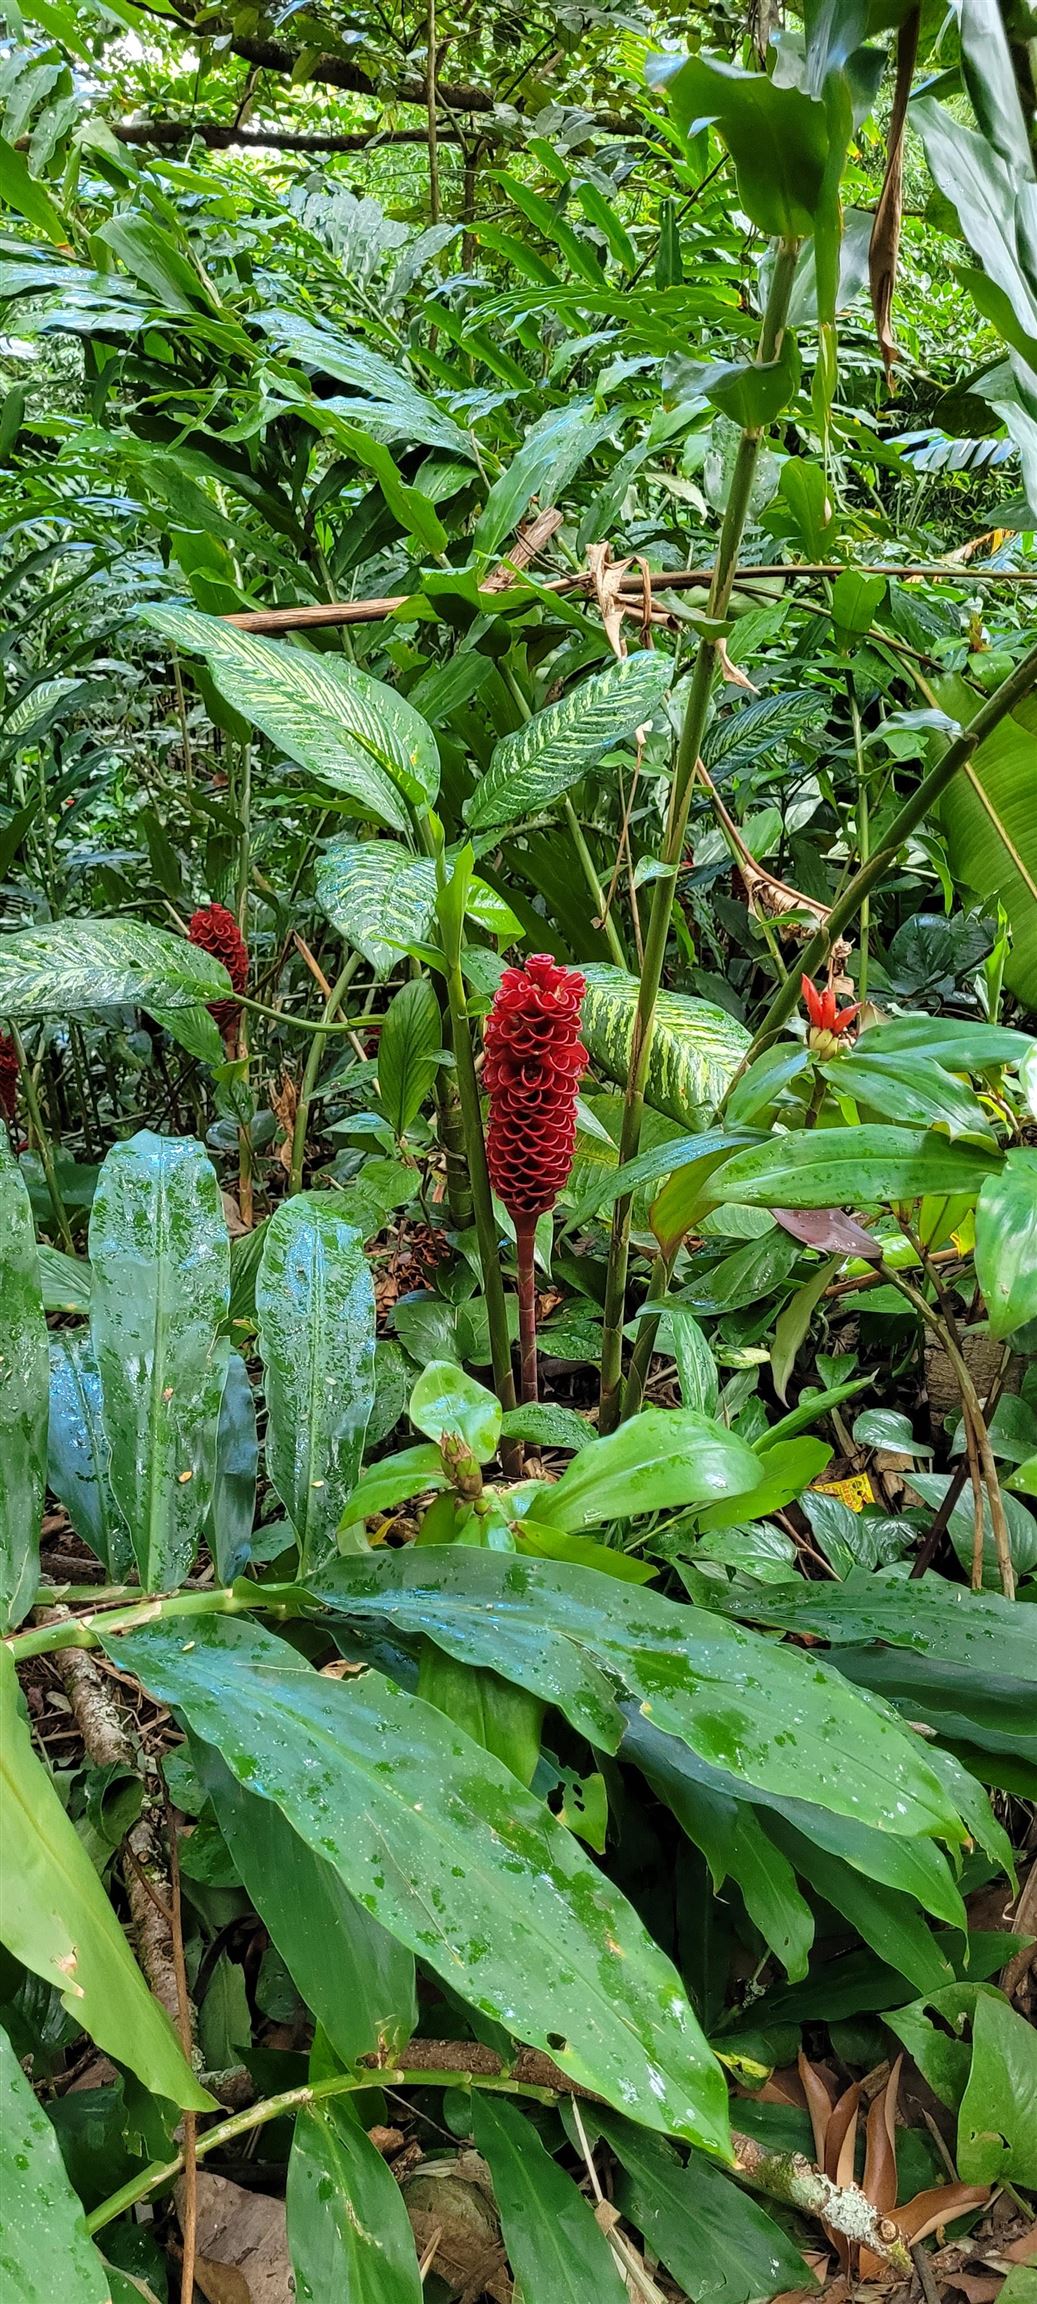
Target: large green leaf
(557, 2252)
(387, 403)
(323, 1935)
(408, 1048)
(721, 2245)
(159, 1301)
(778, 1719)
(348, 729)
(73, 966)
(77, 1452)
(777, 137)
(997, 2118)
(696, 1048)
(663, 1460)
(866, 1167)
(441, 1843)
(1006, 1242)
(349, 2233)
(379, 896)
(990, 824)
(45, 2255)
(23, 1396)
(973, 1633)
(549, 755)
(315, 1302)
(57, 1919)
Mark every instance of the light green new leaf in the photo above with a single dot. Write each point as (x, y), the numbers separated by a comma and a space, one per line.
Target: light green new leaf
(408, 1047)
(716, 2241)
(349, 2233)
(159, 1300)
(348, 729)
(560, 744)
(442, 1844)
(316, 1308)
(57, 1920)
(446, 1401)
(867, 1167)
(667, 1459)
(22, 191)
(77, 1452)
(45, 2255)
(378, 896)
(1006, 1242)
(696, 1048)
(557, 2252)
(23, 1395)
(73, 966)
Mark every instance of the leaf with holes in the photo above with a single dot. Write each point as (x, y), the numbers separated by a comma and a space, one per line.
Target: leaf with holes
(549, 755)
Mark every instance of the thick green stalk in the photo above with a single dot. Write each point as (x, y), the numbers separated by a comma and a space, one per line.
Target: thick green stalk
(311, 1068)
(648, 1329)
(602, 912)
(702, 682)
(883, 858)
(479, 1175)
(87, 1631)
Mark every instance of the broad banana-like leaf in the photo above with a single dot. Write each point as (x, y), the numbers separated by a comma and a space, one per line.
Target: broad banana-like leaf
(696, 1048)
(533, 766)
(378, 896)
(78, 1453)
(315, 1301)
(989, 819)
(23, 1395)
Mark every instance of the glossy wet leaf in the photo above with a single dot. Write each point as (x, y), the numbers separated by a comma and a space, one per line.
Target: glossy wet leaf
(57, 1919)
(349, 2234)
(556, 2251)
(233, 1507)
(442, 1844)
(549, 754)
(777, 1718)
(379, 896)
(867, 1167)
(663, 1460)
(715, 2239)
(45, 2254)
(1006, 1242)
(23, 1396)
(408, 1045)
(696, 1048)
(160, 1297)
(970, 1632)
(78, 1453)
(71, 967)
(315, 1302)
(446, 1402)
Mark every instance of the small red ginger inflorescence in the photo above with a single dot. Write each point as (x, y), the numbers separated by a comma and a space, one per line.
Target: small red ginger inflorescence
(825, 1022)
(8, 1079)
(534, 1061)
(214, 929)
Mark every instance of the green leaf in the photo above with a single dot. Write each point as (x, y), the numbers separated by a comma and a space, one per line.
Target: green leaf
(973, 1633)
(45, 2254)
(315, 1302)
(777, 137)
(65, 1280)
(856, 599)
(696, 1048)
(23, 1397)
(557, 746)
(557, 2252)
(22, 191)
(734, 1844)
(408, 1048)
(991, 830)
(784, 1469)
(867, 1167)
(349, 730)
(410, 1472)
(751, 393)
(74, 966)
(77, 1453)
(956, 1042)
(663, 1460)
(440, 1841)
(886, 1920)
(911, 1088)
(1006, 1242)
(549, 1425)
(792, 1325)
(233, 1508)
(416, 515)
(784, 1723)
(387, 401)
(322, 1933)
(997, 2119)
(159, 1300)
(377, 895)
(349, 2233)
(712, 2237)
(550, 455)
(447, 1402)
(57, 1919)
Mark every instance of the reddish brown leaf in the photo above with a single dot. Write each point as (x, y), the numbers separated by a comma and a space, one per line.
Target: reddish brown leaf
(829, 1230)
(940, 2205)
(819, 2104)
(885, 237)
(880, 2159)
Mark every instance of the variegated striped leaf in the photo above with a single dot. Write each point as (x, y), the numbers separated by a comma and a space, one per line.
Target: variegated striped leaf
(696, 1048)
(73, 966)
(351, 731)
(378, 896)
(530, 768)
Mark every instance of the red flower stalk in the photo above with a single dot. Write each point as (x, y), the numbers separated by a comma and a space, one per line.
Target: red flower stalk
(825, 1021)
(8, 1079)
(534, 1060)
(214, 929)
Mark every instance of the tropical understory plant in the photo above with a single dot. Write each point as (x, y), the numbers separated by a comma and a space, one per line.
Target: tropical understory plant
(518, 1157)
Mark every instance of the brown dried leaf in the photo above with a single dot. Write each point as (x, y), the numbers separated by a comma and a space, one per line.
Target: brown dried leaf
(284, 1102)
(819, 2103)
(885, 236)
(1024, 2250)
(841, 2140)
(242, 2245)
(939, 2205)
(880, 2158)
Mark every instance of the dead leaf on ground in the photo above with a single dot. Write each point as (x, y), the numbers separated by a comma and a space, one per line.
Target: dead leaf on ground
(834, 2123)
(242, 2245)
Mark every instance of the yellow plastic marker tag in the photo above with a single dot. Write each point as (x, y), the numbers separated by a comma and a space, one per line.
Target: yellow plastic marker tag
(856, 1492)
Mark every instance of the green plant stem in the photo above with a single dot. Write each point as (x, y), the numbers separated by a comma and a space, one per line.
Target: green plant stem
(702, 682)
(90, 1630)
(648, 1329)
(525, 1240)
(310, 1023)
(883, 858)
(479, 1177)
(39, 1132)
(602, 911)
(311, 1068)
(164, 2172)
(972, 1406)
(863, 837)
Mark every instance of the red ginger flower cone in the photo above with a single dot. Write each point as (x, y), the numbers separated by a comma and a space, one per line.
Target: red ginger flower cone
(8, 1079)
(214, 929)
(534, 1061)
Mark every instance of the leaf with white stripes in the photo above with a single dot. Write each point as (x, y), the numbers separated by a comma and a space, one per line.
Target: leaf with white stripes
(696, 1048)
(70, 967)
(378, 896)
(315, 1300)
(351, 731)
(558, 746)
(389, 405)
(736, 739)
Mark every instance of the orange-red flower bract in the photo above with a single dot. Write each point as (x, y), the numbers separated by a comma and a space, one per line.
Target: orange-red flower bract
(214, 929)
(8, 1079)
(534, 1059)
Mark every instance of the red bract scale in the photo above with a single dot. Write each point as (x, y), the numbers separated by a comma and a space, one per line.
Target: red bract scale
(534, 1060)
(214, 929)
(8, 1079)
(826, 1023)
